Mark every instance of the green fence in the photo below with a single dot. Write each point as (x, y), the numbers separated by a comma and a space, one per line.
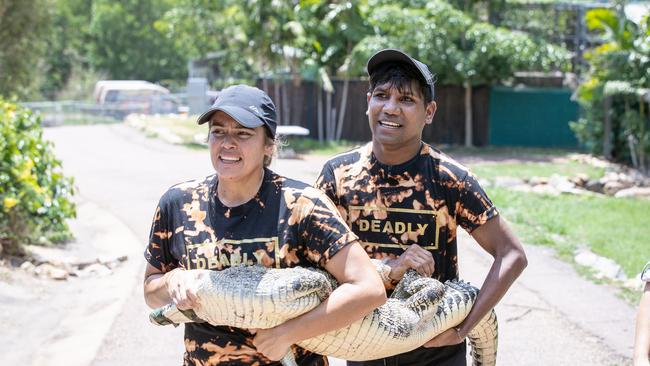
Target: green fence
(535, 117)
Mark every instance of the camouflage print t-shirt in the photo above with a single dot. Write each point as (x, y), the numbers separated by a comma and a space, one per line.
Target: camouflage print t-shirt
(421, 201)
(286, 224)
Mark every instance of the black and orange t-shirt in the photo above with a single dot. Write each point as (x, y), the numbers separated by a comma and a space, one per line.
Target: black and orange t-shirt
(287, 224)
(421, 201)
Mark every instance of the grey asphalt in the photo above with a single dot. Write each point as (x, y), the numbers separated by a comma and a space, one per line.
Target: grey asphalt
(551, 316)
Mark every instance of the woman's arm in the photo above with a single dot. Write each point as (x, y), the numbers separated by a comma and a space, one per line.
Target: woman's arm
(177, 286)
(360, 291)
(642, 338)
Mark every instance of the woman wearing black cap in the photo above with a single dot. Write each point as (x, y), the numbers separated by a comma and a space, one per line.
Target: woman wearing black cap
(247, 214)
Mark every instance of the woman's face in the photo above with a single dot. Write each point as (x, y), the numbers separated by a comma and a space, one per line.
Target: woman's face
(237, 152)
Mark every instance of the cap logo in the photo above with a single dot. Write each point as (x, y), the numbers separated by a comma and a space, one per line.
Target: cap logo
(254, 109)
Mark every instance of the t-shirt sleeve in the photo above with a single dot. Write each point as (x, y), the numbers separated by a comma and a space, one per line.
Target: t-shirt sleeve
(326, 182)
(473, 207)
(158, 251)
(326, 233)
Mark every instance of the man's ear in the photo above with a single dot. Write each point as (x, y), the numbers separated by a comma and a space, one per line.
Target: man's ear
(430, 112)
(368, 96)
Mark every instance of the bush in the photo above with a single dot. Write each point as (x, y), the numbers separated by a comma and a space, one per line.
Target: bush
(618, 74)
(35, 197)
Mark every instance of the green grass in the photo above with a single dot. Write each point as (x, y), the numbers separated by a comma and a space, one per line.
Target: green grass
(612, 227)
(185, 128)
(536, 169)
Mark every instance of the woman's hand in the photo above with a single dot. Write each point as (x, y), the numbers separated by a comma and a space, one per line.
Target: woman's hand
(182, 287)
(272, 343)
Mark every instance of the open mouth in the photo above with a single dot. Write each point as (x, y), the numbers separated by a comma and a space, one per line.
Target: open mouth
(388, 124)
(229, 159)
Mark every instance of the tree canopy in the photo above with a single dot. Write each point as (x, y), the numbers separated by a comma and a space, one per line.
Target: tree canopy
(306, 39)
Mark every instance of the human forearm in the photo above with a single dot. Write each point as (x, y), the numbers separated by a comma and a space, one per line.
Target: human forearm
(503, 273)
(360, 291)
(348, 303)
(177, 286)
(155, 290)
(642, 337)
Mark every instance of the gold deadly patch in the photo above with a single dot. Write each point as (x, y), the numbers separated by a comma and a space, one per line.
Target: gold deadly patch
(226, 253)
(402, 225)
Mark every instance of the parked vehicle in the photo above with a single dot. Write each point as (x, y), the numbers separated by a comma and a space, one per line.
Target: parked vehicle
(122, 97)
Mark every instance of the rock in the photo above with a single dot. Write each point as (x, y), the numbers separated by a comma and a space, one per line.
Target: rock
(96, 269)
(580, 180)
(634, 283)
(611, 187)
(641, 192)
(545, 189)
(603, 267)
(52, 272)
(595, 185)
(561, 184)
(508, 182)
(537, 181)
(28, 266)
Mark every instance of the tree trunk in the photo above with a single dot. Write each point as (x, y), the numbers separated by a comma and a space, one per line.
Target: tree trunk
(468, 113)
(276, 96)
(344, 104)
(319, 110)
(328, 115)
(265, 85)
(607, 130)
(286, 109)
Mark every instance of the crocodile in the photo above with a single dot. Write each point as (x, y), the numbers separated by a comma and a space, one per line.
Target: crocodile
(259, 297)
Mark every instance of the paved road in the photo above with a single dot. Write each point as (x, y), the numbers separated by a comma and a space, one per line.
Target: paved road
(550, 317)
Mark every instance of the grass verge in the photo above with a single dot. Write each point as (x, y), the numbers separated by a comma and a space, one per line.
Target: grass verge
(615, 228)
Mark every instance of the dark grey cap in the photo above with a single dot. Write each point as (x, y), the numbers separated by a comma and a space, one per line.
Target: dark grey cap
(394, 55)
(249, 106)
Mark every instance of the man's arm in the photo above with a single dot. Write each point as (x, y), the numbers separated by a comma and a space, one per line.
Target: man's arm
(360, 291)
(642, 338)
(510, 260)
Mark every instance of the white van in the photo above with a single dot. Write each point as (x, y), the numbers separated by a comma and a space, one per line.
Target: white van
(134, 96)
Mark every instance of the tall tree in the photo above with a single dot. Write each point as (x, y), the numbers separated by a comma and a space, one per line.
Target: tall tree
(68, 44)
(23, 24)
(128, 44)
(458, 48)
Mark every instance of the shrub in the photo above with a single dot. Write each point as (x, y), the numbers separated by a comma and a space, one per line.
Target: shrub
(35, 197)
(617, 76)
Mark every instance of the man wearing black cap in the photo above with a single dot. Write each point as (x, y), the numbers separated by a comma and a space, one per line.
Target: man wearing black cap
(247, 214)
(405, 200)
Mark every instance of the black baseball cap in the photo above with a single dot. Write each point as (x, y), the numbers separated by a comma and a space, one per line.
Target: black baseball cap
(249, 106)
(395, 55)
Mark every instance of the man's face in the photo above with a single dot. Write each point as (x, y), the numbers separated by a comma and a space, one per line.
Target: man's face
(236, 151)
(397, 118)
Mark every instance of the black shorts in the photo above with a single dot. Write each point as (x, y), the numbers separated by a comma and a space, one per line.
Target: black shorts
(443, 356)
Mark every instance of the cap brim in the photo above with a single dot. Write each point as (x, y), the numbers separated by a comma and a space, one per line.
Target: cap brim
(241, 115)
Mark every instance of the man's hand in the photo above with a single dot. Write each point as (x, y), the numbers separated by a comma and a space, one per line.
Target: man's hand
(447, 338)
(414, 257)
(182, 286)
(272, 342)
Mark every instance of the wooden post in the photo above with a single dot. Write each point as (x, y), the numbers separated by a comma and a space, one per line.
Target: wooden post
(468, 114)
